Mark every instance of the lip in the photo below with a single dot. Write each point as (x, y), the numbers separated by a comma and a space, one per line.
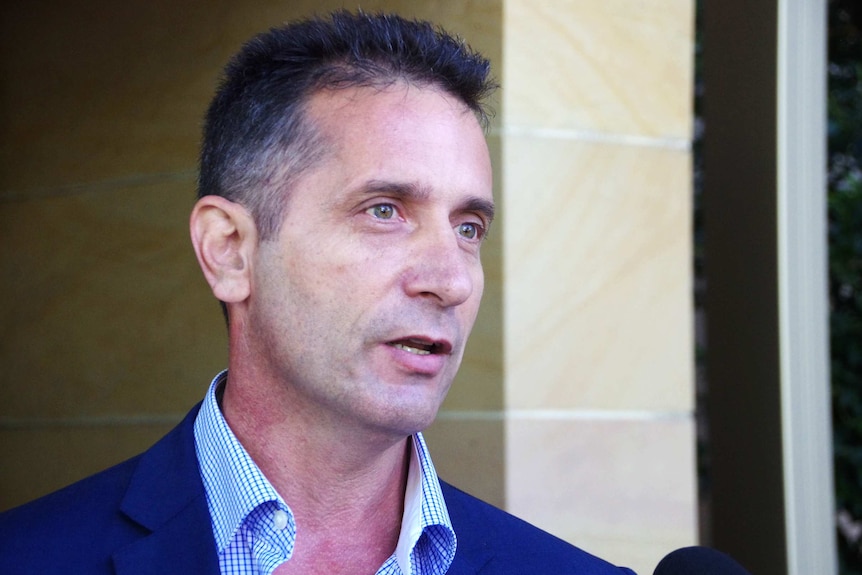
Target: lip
(421, 355)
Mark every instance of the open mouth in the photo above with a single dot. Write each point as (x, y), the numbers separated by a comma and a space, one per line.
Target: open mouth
(419, 346)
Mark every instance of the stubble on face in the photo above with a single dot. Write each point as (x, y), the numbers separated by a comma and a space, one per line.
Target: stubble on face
(362, 304)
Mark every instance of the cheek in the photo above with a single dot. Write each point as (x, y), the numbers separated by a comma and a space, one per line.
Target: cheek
(479, 279)
(478, 289)
(312, 270)
(478, 283)
(369, 270)
(469, 310)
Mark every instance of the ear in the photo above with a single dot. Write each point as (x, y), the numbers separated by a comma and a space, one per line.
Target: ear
(224, 237)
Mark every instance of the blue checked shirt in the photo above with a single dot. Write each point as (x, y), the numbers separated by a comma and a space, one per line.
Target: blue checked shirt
(254, 528)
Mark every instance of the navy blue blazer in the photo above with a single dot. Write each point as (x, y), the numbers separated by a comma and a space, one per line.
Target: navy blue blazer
(149, 515)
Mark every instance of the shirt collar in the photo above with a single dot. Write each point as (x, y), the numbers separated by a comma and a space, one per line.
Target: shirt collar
(424, 513)
(235, 486)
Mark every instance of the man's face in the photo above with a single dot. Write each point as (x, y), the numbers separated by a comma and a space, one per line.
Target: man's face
(361, 306)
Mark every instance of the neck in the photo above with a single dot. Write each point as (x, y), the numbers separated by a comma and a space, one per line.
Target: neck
(341, 484)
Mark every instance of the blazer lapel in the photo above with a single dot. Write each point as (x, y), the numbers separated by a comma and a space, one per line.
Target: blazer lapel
(462, 567)
(184, 545)
(473, 552)
(166, 496)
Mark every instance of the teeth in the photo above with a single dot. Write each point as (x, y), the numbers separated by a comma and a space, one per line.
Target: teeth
(410, 349)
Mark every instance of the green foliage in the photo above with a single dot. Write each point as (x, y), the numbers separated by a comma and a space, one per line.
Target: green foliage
(845, 270)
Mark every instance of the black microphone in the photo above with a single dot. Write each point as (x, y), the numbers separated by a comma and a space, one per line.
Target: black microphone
(699, 561)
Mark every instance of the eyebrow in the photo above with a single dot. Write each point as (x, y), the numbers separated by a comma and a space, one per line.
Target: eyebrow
(409, 191)
(480, 205)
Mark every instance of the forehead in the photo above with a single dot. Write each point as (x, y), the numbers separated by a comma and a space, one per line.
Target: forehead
(412, 134)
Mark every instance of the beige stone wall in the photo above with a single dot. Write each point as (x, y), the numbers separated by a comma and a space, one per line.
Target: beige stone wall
(574, 404)
(598, 316)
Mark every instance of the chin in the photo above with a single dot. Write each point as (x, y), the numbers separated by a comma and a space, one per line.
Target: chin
(404, 408)
(407, 420)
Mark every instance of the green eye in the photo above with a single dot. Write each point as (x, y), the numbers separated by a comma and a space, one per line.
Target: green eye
(382, 211)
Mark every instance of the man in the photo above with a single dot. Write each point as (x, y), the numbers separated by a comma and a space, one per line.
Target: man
(345, 191)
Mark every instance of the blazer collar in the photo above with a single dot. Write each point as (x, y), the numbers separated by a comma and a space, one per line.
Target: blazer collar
(166, 496)
(474, 550)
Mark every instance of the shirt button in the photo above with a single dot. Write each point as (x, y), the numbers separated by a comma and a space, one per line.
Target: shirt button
(279, 519)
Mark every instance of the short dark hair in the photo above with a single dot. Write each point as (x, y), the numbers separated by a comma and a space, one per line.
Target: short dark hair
(256, 138)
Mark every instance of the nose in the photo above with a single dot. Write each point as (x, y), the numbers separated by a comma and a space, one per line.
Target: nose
(442, 270)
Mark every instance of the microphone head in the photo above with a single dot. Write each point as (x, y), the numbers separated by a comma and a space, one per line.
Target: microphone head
(699, 561)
